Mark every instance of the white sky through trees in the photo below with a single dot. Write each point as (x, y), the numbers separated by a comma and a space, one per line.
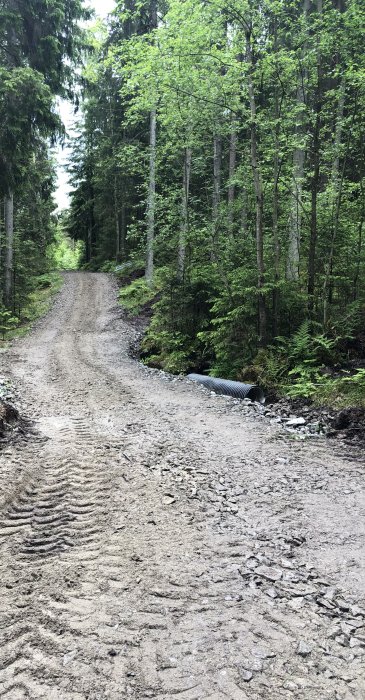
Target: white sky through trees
(102, 9)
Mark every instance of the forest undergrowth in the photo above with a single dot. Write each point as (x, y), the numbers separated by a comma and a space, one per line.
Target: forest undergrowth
(325, 369)
(15, 324)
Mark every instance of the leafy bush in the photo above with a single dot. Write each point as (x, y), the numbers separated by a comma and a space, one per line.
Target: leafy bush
(44, 281)
(7, 322)
(108, 266)
(168, 351)
(137, 296)
(173, 339)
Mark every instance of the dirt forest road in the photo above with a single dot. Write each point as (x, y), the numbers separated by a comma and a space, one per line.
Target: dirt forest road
(155, 543)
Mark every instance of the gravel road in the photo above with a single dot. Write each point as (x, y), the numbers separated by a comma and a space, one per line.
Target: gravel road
(156, 543)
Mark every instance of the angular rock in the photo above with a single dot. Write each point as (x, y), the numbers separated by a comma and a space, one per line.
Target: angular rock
(290, 685)
(293, 422)
(303, 649)
(245, 675)
(271, 592)
(269, 573)
(168, 499)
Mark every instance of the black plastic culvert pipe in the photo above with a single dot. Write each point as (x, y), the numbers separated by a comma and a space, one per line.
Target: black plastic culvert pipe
(230, 388)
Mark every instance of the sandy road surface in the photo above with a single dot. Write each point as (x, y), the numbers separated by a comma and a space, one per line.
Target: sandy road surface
(160, 545)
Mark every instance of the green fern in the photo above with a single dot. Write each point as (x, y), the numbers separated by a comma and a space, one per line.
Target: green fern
(300, 342)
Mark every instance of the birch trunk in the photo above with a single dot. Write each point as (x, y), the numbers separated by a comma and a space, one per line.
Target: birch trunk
(244, 224)
(336, 196)
(231, 175)
(313, 218)
(358, 260)
(1, 243)
(295, 216)
(89, 241)
(275, 207)
(336, 186)
(316, 175)
(217, 174)
(116, 219)
(123, 215)
(259, 195)
(275, 220)
(123, 227)
(9, 250)
(151, 199)
(184, 225)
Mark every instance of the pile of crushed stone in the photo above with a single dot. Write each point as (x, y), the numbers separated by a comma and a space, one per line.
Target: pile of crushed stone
(347, 424)
(297, 416)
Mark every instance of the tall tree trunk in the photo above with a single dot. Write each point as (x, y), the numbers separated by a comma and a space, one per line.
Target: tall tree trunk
(316, 173)
(275, 204)
(123, 225)
(337, 180)
(259, 195)
(275, 218)
(358, 258)
(275, 221)
(89, 241)
(360, 227)
(2, 231)
(295, 216)
(123, 210)
(184, 224)
(9, 250)
(153, 14)
(151, 200)
(217, 175)
(336, 196)
(313, 218)
(116, 218)
(244, 223)
(231, 174)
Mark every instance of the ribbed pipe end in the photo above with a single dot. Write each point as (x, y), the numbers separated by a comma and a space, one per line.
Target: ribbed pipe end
(229, 388)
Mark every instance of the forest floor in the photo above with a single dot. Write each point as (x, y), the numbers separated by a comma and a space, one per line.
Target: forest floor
(158, 543)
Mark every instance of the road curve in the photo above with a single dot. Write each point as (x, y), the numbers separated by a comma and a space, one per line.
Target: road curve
(155, 543)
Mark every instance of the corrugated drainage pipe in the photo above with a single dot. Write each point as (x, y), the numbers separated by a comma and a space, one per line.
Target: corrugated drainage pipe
(229, 388)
